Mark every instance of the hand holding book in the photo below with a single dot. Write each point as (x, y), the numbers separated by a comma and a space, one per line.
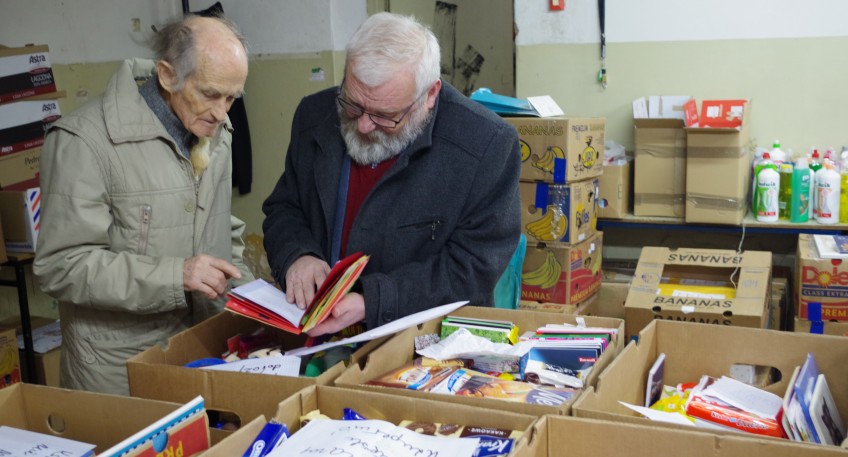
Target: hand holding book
(263, 302)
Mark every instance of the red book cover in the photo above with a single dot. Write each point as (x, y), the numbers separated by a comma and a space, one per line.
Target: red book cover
(263, 302)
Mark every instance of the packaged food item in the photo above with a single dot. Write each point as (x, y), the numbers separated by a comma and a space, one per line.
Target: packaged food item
(413, 376)
(494, 442)
(482, 386)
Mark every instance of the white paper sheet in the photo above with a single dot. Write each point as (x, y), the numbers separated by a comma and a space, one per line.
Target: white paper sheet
(545, 106)
(660, 416)
(282, 365)
(383, 330)
(265, 294)
(369, 438)
(16, 443)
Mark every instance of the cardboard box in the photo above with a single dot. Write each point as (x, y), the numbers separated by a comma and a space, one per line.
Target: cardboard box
(836, 328)
(557, 435)
(331, 401)
(820, 280)
(566, 213)
(46, 363)
(718, 173)
(562, 274)
(399, 350)
(20, 214)
(10, 362)
(25, 72)
(560, 308)
(159, 373)
(20, 171)
(610, 301)
(659, 178)
(560, 150)
(659, 181)
(23, 124)
(661, 267)
(614, 191)
(693, 350)
(100, 419)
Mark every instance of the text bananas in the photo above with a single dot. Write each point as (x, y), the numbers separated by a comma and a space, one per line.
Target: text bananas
(551, 227)
(546, 276)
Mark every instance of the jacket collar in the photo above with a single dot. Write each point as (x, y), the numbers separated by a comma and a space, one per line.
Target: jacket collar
(128, 118)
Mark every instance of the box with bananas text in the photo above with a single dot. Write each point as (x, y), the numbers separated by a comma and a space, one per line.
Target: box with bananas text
(710, 286)
(560, 149)
(566, 213)
(562, 274)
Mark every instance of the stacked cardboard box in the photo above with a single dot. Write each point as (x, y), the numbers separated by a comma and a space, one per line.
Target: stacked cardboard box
(10, 363)
(718, 162)
(821, 290)
(659, 182)
(562, 159)
(28, 104)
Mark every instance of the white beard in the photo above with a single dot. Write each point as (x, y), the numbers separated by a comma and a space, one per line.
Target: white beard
(378, 145)
(200, 155)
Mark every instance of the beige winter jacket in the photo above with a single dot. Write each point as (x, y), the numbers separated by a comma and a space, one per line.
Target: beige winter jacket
(121, 211)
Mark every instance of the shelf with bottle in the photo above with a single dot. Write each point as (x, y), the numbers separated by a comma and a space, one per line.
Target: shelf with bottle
(750, 224)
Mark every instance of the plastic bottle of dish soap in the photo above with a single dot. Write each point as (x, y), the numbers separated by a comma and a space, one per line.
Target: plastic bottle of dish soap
(784, 196)
(815, 164)
(777, 155)
(759, 165)
(843, 190)
(827, 192)
(768, 184)
(800, 208)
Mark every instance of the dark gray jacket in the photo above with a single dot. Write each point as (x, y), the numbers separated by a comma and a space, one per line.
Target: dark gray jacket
(440, 225)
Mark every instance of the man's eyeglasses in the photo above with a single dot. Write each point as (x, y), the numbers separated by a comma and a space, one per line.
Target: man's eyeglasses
(355, 111)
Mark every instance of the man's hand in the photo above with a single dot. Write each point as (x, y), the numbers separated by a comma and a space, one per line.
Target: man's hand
(350, 310)
(305, 275)
(208, 275)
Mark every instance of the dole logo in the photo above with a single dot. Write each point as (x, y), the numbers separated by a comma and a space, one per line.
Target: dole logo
(824, 278)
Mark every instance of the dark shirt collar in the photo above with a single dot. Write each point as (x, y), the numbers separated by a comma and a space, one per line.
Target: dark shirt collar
(150, 92)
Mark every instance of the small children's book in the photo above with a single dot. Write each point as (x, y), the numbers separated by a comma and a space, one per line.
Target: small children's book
(832, 246)
(826, 418)
(804, 386)
(654, 383)
(185, 431)
(265, 303)
(523, 392)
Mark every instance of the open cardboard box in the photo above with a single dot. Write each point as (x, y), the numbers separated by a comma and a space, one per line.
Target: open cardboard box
(100, 419)
(331, 401)
(693, 350)
(399, 350)
(557, 435)
(659, 267)
(159, 372)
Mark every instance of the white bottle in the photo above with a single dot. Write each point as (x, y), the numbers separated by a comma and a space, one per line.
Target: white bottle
(827, 192)
(777, 155)
(768, 183)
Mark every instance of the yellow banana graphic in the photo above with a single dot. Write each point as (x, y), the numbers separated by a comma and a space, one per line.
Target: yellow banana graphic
(546, 276)
(7, 361)
(546, 163)
(558, 152)
(552, 226)
(525, 150)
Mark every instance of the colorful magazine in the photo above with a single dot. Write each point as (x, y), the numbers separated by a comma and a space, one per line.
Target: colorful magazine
(263, 302)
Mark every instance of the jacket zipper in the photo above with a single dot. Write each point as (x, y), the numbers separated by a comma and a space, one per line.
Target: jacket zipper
(146, 211)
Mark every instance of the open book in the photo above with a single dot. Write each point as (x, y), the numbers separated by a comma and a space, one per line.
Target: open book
(262, 301)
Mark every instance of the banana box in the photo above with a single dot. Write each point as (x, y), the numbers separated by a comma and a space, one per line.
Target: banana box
(562, 274)
(565, 213)
(560, 149)
(10, 363)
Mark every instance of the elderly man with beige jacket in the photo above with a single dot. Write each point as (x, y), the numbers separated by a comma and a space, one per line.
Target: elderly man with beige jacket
(137, 241)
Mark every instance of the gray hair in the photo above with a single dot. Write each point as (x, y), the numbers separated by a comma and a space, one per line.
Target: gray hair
(387, 43)
(174, 43)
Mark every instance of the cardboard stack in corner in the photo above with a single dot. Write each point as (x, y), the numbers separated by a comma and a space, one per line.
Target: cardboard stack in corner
(561, 161)
(710, 286)
(29, 102)
(821, 290)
